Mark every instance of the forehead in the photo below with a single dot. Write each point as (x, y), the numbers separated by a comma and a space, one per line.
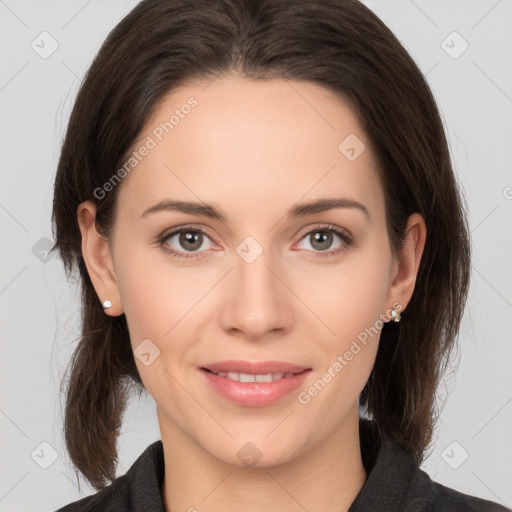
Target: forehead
(268, 142)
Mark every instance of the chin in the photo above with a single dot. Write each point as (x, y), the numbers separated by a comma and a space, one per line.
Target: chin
(256, 451)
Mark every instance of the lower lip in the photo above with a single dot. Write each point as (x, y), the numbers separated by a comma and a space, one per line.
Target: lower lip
(254, 394)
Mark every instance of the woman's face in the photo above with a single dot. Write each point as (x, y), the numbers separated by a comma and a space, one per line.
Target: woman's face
(269, 281)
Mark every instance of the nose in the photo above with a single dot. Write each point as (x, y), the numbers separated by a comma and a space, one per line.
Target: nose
(257, 302)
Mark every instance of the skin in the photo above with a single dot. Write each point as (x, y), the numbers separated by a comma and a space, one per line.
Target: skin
(254, 149)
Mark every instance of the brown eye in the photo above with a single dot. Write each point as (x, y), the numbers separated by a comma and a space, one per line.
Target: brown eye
(321, 240)
(190, 240)
(185, 240)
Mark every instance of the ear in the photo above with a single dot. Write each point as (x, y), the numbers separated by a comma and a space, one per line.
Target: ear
(406, 267)
(98, 259)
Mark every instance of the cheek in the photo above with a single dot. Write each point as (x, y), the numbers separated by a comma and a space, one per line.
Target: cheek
(348, 301)
(154, 295)
(350, 297)
(161, 303)
(153, 306)
(351, 311)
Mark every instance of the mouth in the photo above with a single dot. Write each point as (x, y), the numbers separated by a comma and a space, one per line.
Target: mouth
(254, 384)
(251, 377)
(247, 371)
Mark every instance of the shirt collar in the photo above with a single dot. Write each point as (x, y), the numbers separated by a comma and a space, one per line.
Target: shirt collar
(394, 481)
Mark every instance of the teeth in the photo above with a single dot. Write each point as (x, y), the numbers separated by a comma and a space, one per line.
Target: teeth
(247, 377)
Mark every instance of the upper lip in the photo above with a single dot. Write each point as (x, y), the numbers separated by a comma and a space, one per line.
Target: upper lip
(260, 368)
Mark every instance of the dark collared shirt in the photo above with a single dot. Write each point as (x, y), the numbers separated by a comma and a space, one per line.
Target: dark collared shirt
(394, 484)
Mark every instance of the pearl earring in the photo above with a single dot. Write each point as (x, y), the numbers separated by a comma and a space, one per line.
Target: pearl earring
(396, 315)
(106, 304)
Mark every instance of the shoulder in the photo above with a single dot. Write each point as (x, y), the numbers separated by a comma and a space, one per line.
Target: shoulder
(395, 482)
(447, 499)
(138, 489)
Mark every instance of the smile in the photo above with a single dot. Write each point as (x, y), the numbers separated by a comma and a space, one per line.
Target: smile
(254, 389)
(248, 377)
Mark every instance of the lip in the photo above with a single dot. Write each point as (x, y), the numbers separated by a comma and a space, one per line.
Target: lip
(254, 394)
(260, 368)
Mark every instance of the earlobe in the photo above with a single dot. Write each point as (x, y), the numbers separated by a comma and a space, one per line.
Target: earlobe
(410, 255)
(98, 260)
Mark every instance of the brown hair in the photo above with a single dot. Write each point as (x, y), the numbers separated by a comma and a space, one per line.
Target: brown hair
(339, 44)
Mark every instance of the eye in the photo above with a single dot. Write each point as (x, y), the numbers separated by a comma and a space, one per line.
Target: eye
(321, 239)
(186, 240)
(189, 241)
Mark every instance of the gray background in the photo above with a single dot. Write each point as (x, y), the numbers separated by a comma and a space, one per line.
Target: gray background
(40, 311)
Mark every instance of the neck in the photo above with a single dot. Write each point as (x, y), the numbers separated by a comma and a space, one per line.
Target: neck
(327, 477)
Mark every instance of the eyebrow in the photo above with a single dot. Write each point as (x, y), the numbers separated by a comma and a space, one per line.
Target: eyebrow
(301, 210)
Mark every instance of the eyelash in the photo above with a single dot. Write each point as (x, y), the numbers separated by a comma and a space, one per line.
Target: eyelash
(347, 240)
